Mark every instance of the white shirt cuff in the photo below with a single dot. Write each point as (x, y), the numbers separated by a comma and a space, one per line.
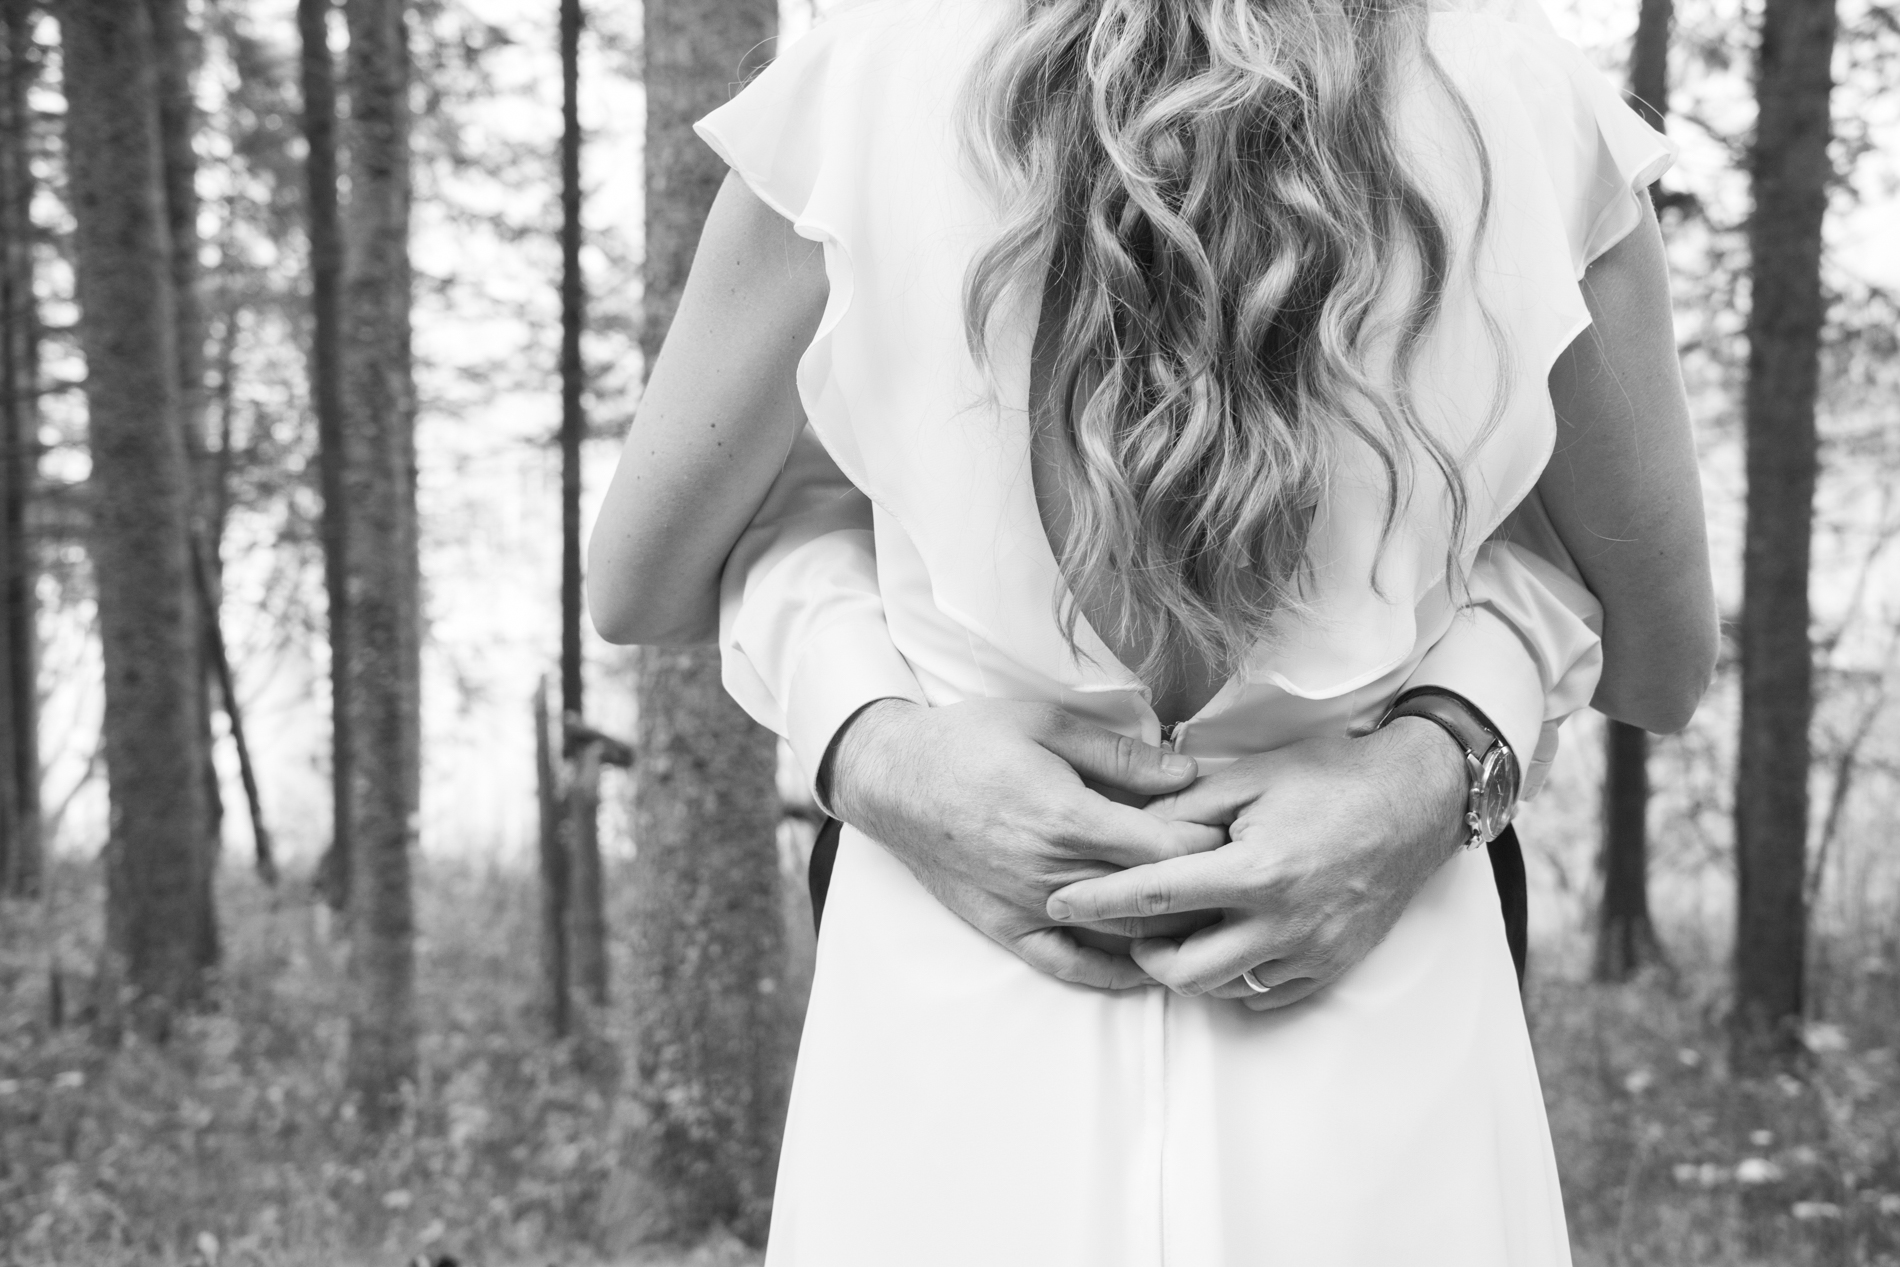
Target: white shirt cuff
(843, 667)
(1482, 658)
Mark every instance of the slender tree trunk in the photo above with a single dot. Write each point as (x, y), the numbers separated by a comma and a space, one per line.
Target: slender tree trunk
(208, 588)
(22, 446)
(1789, 168)
(381, 562)
(1649, 61)
(555, 995)
(326, 395)
(573, 375)
(154, 736)
(176, 49)
(588, 925)
(712, 1056)
(587, 920)
(20, 849)
(222, 400)
(1626, 938)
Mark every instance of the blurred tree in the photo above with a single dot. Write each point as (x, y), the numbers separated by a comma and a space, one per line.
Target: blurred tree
(587, 909)
(21, 847)
(176, 50)
(573, 321)
(556, 997)
(1789, 170)
(1626, 937)
(1649, 66)
(712, 1052)
(581, 836)
(154, 734)
(326, 387)
(381, 562)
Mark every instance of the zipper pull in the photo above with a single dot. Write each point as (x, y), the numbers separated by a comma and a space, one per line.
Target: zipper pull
(1168, 733)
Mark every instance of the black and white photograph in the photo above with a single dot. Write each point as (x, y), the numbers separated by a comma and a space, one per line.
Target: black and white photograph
(949, 633)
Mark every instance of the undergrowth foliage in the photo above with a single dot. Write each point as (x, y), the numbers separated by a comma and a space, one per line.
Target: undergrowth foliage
(1669, 1159)
(233, 1146)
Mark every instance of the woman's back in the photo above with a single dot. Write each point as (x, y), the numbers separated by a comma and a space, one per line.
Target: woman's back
(856, 135)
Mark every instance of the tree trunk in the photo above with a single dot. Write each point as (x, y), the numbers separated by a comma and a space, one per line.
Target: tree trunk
(713, 1051)
(208, 590)
(21, 859)
(177, 51)
(587, 912)
(712, 1054)
(381, 562)
(587, 927)
(556, 998)
(1649, 61)
(709, 948)
(154, 736)
(326, 395)
(175, 46)
(1626, 939)
(1789, 169)
(573, 321)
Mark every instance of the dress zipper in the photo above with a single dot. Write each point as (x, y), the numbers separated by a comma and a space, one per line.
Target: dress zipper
(1168, 733)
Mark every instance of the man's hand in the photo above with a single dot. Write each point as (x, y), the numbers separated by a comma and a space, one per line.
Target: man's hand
(994, 805)
(1330, 841)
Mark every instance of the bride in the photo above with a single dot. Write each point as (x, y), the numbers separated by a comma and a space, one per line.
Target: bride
(1204, 580)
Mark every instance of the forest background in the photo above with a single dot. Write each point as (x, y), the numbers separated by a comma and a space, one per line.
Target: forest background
(235, 1135)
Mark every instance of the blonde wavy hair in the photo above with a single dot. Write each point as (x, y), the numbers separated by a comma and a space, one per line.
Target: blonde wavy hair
(1210, 194)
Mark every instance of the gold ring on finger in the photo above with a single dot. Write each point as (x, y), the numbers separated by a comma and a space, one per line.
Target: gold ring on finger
(1254, 983)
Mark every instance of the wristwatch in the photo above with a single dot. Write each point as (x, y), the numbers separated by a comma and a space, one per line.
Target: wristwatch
(1492, 797)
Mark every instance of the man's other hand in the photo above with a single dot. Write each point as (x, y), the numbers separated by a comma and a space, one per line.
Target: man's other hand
(1331, 840)
(996, 804)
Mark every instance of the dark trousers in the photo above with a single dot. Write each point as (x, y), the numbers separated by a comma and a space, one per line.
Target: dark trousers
(1507, 867)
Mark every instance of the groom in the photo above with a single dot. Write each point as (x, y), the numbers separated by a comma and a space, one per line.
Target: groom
(993, 773)
(995, 804)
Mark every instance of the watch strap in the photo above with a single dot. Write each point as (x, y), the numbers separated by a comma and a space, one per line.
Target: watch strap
(1489, 762)
(1462, 719)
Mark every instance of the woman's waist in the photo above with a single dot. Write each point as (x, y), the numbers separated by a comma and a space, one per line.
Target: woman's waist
(881, 922)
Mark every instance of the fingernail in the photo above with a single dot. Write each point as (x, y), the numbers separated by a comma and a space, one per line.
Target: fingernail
(1174, 765)
(1059, 909)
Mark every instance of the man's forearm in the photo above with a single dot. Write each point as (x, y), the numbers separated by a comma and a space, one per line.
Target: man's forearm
(1526, 649)
(803, 640)
(855, 746)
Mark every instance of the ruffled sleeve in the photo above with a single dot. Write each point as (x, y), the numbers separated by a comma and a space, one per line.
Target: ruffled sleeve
(797, 135)
(1599, 153)
(772, 132)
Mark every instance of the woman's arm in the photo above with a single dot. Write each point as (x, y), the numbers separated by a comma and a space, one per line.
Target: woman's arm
(715, 423)
(1624, 493)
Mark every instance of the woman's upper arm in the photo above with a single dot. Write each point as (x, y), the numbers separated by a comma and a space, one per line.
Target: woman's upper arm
(715, 422)
(1624, 492)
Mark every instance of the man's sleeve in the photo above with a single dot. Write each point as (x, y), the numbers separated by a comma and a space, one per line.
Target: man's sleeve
(803, 643)
(1527, 646)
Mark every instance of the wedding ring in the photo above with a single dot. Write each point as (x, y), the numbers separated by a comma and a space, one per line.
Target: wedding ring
(1253, 982)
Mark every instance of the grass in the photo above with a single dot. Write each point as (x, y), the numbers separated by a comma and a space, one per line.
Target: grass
(1669, 1158)
(229, 1147)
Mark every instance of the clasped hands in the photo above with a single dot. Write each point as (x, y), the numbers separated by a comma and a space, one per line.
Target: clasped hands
(1106, 862)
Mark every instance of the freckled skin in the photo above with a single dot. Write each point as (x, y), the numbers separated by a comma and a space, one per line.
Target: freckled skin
(713, 428)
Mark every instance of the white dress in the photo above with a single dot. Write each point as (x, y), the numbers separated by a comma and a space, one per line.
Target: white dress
(951, 1104)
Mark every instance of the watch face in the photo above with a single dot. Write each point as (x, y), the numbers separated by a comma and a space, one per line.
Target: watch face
(1497, 790)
